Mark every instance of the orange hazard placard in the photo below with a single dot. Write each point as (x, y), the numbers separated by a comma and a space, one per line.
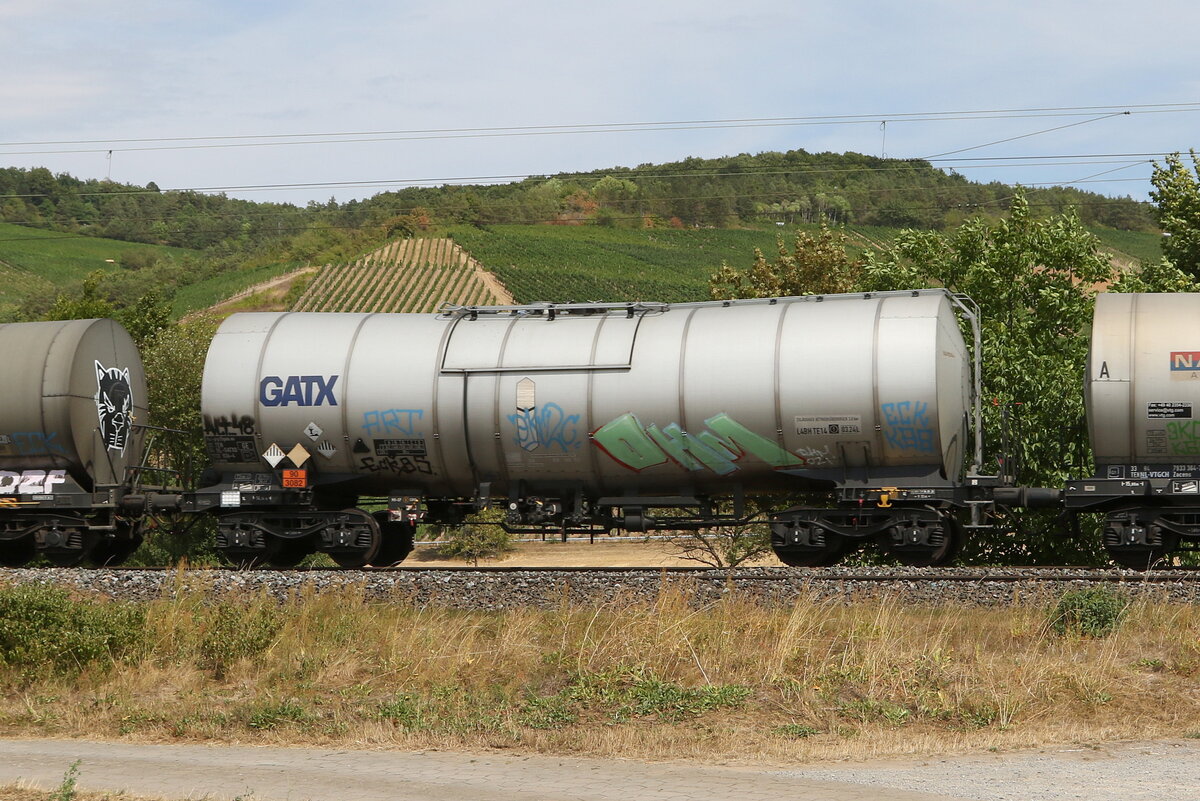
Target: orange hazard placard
(295, 478)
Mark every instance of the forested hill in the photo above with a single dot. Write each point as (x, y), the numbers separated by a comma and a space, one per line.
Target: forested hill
(795, 186)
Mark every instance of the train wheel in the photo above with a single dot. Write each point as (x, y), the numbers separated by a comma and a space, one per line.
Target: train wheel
(358, 541)
(113, 552)
(397, 541)
(1139, 558)
(17, 553)
(933, 555)
(830, 553)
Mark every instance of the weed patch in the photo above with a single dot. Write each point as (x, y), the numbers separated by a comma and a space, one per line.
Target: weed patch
(1092, 612)
(43, 631)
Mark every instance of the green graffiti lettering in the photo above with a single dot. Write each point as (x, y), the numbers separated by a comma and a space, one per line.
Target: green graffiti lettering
(738, 439)
(1184, 437)
(625, 440)
(674, 443)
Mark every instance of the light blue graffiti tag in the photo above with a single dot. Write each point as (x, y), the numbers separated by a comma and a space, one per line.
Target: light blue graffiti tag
(547, 426)
(37, 443)
(392, 421)
(908, 427)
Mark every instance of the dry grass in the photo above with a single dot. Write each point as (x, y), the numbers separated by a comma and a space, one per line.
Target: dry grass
(733, 682)
(22, 792)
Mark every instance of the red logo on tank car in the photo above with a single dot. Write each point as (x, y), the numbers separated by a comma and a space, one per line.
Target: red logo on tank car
(1186, 360)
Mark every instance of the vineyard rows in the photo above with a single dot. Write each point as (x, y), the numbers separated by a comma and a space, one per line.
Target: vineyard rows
(560, 264)
(409, 275)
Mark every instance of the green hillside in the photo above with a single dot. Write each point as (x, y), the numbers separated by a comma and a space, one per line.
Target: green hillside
(38, 261)
(563, 263)
(581, 263)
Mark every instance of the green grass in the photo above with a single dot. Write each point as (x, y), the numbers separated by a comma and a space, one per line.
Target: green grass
(57, 257)
(32, 260)
(585, 263)
(210, 291)
(565, 263)
(1143, 247)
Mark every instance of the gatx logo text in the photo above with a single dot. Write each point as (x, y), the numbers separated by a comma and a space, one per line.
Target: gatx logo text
(297, 390)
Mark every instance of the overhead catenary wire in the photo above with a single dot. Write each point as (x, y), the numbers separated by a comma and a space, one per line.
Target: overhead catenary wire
(290, 139)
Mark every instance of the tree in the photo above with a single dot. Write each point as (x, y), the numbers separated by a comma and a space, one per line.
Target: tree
(727, 546)
(1034, 282)
(148, 315)
(1177, 193)
(174, 364)
(86, 305)
(816, 266)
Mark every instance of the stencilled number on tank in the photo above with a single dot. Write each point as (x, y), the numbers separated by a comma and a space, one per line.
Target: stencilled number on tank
(30, 482)
(404, 465)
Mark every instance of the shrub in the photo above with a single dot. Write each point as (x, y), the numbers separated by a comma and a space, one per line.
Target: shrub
(234, 632)
(479, 538)
(43, 630)
(1092, 612)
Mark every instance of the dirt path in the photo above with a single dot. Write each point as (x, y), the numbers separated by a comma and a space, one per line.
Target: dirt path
(306, 774)
(492, 282)
(605, 552)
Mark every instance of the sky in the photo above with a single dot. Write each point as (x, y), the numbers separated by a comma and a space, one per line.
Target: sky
(171, 91)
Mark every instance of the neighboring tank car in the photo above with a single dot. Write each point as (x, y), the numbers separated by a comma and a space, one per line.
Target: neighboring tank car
(71, 396)
(587, 417)
(1143, 403)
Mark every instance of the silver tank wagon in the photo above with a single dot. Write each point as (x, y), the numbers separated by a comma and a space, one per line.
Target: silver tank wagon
(71, 395)
(578, 414)
(1142, 394)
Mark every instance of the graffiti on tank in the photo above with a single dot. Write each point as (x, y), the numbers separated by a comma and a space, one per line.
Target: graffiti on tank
(30, 482)
(32, 443)
(233, 424)
(404, 465)
(297, 390)
(547, 426)
(392, 421)
(114, 406)
(718, 448)
(1183, 437)
(907, 426)
(815, 457)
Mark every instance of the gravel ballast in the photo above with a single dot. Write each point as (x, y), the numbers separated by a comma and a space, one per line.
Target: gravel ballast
(547, 588)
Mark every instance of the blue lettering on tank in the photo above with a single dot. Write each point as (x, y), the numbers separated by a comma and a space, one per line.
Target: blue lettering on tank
(297, 390)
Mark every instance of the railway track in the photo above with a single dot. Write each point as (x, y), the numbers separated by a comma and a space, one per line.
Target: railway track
(511, 587)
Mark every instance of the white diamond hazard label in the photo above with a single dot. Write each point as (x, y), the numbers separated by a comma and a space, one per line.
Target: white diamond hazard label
(313, 431)
(274, 455)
